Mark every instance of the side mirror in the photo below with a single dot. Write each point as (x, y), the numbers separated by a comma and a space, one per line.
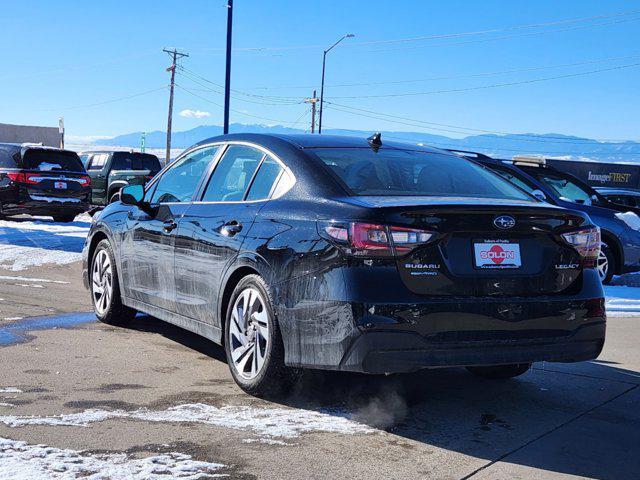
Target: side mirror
(132, 195)
(539, 194)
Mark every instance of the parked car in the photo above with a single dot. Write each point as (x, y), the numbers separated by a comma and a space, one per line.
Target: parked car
(621, 196)
(110, 171)
(38, 180)
(342, 253)
(620, 225)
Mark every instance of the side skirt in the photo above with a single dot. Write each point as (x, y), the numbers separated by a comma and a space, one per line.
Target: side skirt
(210, 332)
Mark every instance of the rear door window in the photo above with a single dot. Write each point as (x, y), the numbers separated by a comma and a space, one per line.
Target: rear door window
(97, 161)
(264, 180)
(233, 174)
(51, 160)
(407, 172)
(135, 161)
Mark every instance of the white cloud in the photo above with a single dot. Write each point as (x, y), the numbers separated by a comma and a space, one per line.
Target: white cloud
(188, 113)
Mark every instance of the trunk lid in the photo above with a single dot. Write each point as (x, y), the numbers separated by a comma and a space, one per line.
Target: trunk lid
(484, 247)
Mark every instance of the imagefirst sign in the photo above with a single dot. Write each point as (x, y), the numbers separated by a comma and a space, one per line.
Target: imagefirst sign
(615, 177)
(597, 174)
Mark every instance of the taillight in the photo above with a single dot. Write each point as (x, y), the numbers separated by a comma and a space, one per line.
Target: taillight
(17, 177)
(373, 240)
(587, 243)
(84, 180)
(22, 177)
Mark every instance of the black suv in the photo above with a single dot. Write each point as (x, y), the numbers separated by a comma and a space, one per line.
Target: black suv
(40, 180)
(110, 171)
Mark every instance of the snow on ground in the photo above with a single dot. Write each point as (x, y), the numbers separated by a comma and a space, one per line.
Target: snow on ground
(38, 241)
(23, 461)
(10, 390)
(622, 301)
(266, 423)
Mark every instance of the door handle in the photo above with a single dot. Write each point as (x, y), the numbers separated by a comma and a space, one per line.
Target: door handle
(169, 226)
(231, 228)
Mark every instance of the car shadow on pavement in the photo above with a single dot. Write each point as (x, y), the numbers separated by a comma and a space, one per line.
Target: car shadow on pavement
(145, 323)
(577, 419)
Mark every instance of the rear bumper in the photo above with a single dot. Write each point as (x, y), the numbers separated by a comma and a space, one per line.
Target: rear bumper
(45, 207)
(422, 332)
(390, 352)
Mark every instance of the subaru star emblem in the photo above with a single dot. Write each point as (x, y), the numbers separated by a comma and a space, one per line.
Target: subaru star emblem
(504, 222)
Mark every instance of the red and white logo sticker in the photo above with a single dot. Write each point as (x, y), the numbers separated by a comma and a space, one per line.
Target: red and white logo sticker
(497, 255)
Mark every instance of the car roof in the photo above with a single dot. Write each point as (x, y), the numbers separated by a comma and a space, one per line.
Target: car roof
(617, 191)
(303, 141)
(84, 152)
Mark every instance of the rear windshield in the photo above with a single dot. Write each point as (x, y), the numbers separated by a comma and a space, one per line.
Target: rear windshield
(135, 161)
(48, 160)
(406, 172)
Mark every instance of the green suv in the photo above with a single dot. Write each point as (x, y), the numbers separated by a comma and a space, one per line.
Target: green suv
(110, 171)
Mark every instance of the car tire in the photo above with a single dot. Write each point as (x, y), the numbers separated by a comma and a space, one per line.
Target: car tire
(114, 197)
(105, 289)
(606, 263)
(253, 342)
(67, 218)
(497, 372)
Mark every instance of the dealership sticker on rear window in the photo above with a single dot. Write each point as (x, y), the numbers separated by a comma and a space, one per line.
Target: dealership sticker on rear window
(497, 255)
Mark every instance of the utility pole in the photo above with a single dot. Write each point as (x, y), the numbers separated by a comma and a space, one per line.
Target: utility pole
(313, 100)
(227, 78)
(175, 55)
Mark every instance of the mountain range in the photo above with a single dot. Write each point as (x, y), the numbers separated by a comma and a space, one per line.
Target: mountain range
(503, 146)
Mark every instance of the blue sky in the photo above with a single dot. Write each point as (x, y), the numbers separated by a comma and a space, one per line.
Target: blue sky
(67, 56)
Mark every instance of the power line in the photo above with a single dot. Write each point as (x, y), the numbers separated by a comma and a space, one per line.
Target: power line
(452, 35)
(235, 111)
(495, 85)
(113, 100)
(237, 97)
(456, 77)
(240, 92)
(500, 149)
(448, 127)
(504, 37)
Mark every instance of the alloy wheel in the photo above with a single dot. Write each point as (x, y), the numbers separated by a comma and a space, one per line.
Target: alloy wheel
(102, 282)
(603, 265)
(249, 333)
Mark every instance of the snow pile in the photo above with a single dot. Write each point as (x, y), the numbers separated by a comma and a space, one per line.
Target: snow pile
(10, 390)
(27, 243)
(22, 461)
(265, 422)
(622, 301)
(630, 218)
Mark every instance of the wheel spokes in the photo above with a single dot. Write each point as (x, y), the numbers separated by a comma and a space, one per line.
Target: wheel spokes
(248, 333)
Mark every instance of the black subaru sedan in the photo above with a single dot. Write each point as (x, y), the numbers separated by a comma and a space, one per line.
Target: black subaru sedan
(349, 254)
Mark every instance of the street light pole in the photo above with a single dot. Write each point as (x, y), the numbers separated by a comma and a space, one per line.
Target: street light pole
(227, 79)
(324, 62)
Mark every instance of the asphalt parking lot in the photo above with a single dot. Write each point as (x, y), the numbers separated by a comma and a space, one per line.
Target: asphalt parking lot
(78, 397)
